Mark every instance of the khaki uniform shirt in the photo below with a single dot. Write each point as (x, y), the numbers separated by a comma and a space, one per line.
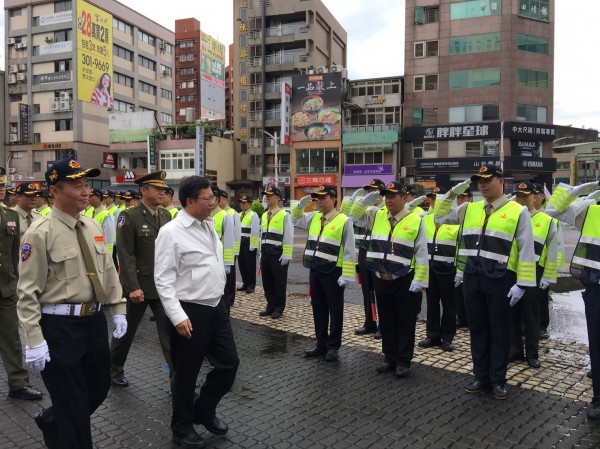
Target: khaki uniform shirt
(52, 270)
(23, 218)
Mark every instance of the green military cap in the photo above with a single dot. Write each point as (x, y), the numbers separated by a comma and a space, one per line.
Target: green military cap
(156, 179)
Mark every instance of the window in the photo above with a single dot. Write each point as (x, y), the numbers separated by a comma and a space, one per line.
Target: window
(182, 58)
(122, 26)
(63, 125)
(533, 44)
(144, 37)
(122, 53)
(243, 95)
(62, 65)
(186, 71)
(168, 48)
(123, 80)
(427, 82)
(36, 108)
(37, 167)
(475, 44)
(16, 12)
(426, 49)
(473, 148)
(424, 150)
(166, 118)
(180, 160)
(166, 94)
(243, 148)
(190, 56)
(531, 113)
(147, 63)
(187, 84)
(473, 113)
(425, 116)
(475, 8)
(360, 158)
(147, 88)
(243, 68)
(532, 78)
(427, 14)
(166, 70)
(122, 106)
(535, 9)
(317, 160)
(243, 40)
(37, 138)
(63, 35)
(186, 44)
(63, 6)
(16, 97)
(563, 165)
(243, 122)
(474, 78)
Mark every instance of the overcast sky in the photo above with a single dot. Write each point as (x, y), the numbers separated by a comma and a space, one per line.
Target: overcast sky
(376, 44)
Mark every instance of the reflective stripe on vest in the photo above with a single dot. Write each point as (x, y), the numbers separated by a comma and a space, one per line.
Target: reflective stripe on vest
(359, 236)
(246, 221)
(585, 264)
(393, 250)
(441, 245)
(540, 224)
(491, 251)
(272, 233)
(324, 250)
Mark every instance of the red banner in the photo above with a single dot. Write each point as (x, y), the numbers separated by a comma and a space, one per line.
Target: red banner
(315, 180)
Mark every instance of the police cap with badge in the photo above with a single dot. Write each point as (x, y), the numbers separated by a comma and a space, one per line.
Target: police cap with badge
(109, 194)
(439, 190)
(325, 190)
(394, 187)
(68, 170)
(30, 189)
(97, 192)
(156, 179)
(487, 171)
(246, 199)
(467, 193)
(270, 190)
(375, 184)
(525, 187)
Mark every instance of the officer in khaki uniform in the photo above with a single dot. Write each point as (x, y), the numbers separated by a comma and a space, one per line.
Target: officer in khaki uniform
(137, 229)
(10, 343)
(66, 277)
(26, 194)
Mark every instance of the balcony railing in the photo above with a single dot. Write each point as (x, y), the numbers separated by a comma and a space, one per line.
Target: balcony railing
(314, 170)
(280, 58)
(255, 170)
(273, 114)
(281, 30)
(281, 171)
(273, 87)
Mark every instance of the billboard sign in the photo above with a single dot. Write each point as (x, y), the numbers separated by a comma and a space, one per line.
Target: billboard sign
(316, 107)
(94, 55)
(286, 106)
(130, 126)
(57, 17)
(212, 70)
(24, 111)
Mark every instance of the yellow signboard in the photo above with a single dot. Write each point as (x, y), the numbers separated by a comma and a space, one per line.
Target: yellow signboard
(94, 55)
(212, 47)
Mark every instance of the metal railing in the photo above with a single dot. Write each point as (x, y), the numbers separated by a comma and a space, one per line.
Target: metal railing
(280, 30)
(280, 58)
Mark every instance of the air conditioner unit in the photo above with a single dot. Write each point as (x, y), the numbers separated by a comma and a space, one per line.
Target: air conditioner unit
(12, 79)
(48, 40)
(22, 67)
(335, 68)
(64, 95)
(10, 41)
(13, 68)
(13, 130)
(163, 72)
(20, 77)
(55, 106)
(344, 73)
(65, 105)
(322, 69)
(21, 45)
(13, 138)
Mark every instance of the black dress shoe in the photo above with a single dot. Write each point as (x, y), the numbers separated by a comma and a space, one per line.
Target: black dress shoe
(190, 441)
(476, 387)
(402, 372)
(377, 335)
(544, 335)
(276, 315)
(429, 343)
(249, 290)
(265, 313)
(386, 367)
(499, 392)
(215, 425)
(119, 382)
(47, 425)
(447, 346)
(241, 289)
(589, 374)
(332, 355)
(365, 330)
(515, 358)
(534, 363)
(314, 351)
(593, 411)
(28, 393)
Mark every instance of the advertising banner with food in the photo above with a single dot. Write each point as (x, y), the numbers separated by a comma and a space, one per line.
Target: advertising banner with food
(316, 107)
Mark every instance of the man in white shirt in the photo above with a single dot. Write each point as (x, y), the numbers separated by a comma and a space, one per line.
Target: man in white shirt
(190, 276)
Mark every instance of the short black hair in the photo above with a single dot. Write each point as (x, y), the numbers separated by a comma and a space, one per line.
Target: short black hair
(190, 187)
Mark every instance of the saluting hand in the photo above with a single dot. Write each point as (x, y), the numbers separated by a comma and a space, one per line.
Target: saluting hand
(136, 296)
(184, 328)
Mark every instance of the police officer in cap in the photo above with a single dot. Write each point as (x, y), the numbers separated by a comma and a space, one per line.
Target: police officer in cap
(25, 208)
(250, 240)
(103, 216)
(41, 203)
(168, 202)
(66, 277)
(331, 257)
(225, 229)
(137, 229)
(497, 241)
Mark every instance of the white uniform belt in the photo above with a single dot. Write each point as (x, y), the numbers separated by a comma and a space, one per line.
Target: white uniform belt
(86, 309)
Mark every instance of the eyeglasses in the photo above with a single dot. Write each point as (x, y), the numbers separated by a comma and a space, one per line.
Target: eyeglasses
(206, 198)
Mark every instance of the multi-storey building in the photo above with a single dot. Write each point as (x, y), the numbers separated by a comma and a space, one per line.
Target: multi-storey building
(229, 103)
(69, 64)
(479, 79)
(272, 42)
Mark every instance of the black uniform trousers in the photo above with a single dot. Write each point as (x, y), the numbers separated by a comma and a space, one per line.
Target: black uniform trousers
(488, 313)
(327, 301)
(119, 348)
(366, 285)
(459, 304)
(544, 308)
(397, 307)
(77, 376)
(441, 292)
(212, 338)
(247, 264)
(228, 297)
(274, 278)
(525, 315)
(10, 344)
(591, 300)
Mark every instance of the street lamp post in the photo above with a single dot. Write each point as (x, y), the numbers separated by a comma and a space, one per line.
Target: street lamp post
(274, 137)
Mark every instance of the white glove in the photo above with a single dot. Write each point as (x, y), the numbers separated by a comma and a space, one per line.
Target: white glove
(120, 323)
(252, 249)
(515, 294)
(359, 192)
(227, 269)
(458, 279)
(283, 261)
(544, 284)
(460, 188)
(415, 203)
(371, 198)
(593, 196)
(414, 287)
(342, 282)
(304, 202)
(585, 189)
(37, 356)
